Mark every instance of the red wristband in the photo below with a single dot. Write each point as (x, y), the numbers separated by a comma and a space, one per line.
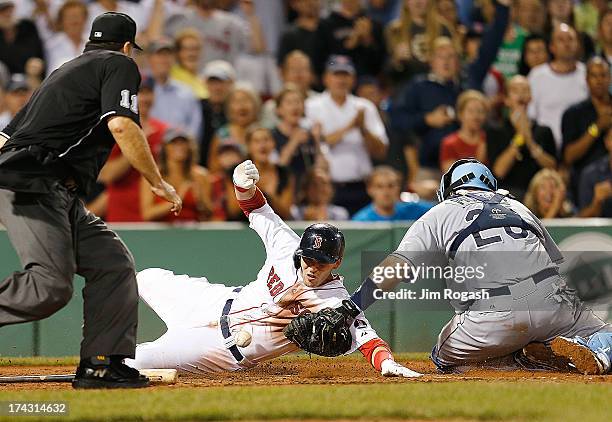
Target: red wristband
(257, 201)
(376, 351)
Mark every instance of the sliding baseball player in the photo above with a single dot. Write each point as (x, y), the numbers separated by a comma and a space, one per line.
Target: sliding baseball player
(213, 327)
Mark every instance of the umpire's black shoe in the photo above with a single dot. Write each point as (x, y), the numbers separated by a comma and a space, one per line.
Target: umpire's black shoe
(107, 372)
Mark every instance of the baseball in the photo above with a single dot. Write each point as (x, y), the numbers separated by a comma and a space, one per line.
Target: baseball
(243, 339)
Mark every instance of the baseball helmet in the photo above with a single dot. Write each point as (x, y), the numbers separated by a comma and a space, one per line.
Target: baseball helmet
(467, 172)
(322, 242)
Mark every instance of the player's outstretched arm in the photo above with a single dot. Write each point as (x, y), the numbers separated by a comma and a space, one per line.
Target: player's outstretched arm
(364, 296)
(279, 239)
(378, 353)
(133, 144)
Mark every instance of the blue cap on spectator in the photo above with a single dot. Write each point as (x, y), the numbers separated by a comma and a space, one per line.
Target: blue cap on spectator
(338, 63)
(18, 82)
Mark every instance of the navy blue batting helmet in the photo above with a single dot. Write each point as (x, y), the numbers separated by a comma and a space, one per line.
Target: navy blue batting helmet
(322, 242)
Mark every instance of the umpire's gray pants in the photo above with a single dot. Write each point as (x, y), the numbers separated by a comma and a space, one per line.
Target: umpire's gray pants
(56, 237)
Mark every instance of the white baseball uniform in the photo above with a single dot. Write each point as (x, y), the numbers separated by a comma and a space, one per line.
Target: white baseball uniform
(192, 308)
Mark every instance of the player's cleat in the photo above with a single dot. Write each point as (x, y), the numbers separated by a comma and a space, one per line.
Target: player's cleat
(105, 372)
(582, 357)
(538, 356)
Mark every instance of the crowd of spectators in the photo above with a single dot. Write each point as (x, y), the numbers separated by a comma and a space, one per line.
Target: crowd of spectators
(344, 104)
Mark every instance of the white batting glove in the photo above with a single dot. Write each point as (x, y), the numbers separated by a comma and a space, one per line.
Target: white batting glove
(246, 175)
(390, 368)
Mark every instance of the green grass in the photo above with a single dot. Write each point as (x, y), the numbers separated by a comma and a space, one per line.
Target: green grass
(433, 401)
(454, 400)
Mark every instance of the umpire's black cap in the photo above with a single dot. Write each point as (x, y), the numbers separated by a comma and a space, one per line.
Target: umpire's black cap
(114, 27)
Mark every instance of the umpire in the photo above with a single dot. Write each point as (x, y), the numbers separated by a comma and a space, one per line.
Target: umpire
(53, 151)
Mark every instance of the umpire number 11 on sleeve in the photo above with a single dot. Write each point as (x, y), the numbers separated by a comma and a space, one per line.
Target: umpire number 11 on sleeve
(128, 101)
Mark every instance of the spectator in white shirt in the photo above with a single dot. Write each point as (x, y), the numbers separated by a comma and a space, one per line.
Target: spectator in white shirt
(69, 41)
(352, 130)
(557, 85)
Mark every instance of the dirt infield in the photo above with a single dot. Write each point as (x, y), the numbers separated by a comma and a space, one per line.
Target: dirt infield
(304, 370)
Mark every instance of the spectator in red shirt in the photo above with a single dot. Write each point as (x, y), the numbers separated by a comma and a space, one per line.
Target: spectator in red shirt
(470, 140)
(121, 179)
(177, 160)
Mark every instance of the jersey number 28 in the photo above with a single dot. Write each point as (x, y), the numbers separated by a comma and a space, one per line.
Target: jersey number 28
(484, 241)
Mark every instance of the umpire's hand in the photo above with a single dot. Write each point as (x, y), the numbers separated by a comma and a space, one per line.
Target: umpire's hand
(166, 191)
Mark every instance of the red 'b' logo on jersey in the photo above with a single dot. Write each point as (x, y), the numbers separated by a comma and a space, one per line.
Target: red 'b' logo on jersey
(317, 241)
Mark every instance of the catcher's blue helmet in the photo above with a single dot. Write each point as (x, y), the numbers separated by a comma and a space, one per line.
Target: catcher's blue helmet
(467, 172)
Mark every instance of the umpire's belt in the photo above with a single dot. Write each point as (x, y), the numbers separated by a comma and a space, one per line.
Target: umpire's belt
(230, 341)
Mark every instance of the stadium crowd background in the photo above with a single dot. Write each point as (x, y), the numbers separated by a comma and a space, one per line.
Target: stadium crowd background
(344, 104)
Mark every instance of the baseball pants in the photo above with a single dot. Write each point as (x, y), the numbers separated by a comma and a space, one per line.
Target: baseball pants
(55, 236)
(477, 335)
(190, 307)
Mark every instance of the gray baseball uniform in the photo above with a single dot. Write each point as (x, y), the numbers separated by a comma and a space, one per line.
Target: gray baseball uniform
(519, 269)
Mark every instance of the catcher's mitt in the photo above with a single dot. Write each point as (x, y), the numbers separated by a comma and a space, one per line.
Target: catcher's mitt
(325, 333)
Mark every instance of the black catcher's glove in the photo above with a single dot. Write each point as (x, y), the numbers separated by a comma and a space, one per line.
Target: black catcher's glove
(325, 333)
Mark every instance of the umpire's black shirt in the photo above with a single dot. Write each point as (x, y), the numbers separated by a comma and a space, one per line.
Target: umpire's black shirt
(62, 132)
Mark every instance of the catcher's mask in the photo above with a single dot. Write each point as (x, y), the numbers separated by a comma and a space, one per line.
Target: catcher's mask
(322, 242)
(467, 172)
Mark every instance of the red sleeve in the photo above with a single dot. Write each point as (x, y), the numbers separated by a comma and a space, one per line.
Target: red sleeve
(376, 351)
(257, 201)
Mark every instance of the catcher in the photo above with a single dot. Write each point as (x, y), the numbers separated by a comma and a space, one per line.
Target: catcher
(520, 307)
(213, 327)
